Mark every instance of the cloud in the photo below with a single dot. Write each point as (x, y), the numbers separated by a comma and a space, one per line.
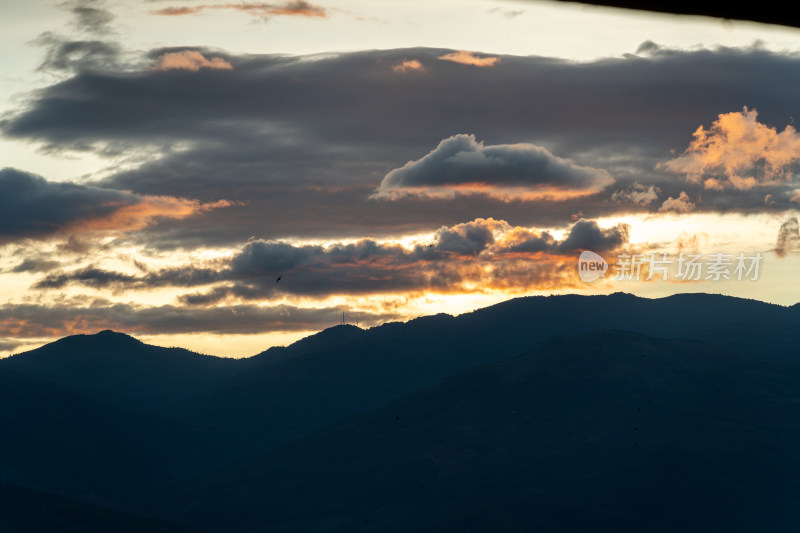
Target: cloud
(305, 140)
(460, 164)
(179, 11)
(638, 194)
(190, 60)
(408, 65)
(7, 344)
(31, 320)
(470, 238)
(91, 19)
(681, 204)
(649, 47)
(99, 278)
(466, 257)
(508, 13)
(788, 237)
(468, 58)
(587, 235)
(298, 8)
(583, 235)
(32, 207)
(738, 152)
(36, 265)
(65, 55)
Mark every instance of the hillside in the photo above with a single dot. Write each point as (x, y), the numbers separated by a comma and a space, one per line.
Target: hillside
(609, 431)
(107, 419)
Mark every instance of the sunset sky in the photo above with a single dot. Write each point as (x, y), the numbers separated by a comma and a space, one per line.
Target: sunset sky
(165, 162)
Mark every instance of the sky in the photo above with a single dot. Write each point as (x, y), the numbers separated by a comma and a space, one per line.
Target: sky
(230, 176)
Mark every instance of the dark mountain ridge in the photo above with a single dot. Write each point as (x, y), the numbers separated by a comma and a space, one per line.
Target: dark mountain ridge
(108, 419)
(608, 431)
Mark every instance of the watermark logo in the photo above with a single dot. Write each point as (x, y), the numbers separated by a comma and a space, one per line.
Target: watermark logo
(591, 266)
(690, 267)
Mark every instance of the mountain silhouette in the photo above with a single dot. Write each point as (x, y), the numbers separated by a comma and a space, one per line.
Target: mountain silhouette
(24, 510)
(609, 431)
(109, 420)
(326, 340)
(119, 366)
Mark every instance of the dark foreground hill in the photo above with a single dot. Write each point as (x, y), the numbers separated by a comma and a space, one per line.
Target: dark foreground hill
(609, 431)
(25, 510)
(109, 420)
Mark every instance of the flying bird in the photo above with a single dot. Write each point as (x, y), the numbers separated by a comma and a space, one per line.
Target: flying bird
(279, 279)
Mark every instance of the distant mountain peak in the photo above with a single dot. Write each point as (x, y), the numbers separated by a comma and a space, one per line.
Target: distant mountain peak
(111, 334)
(328, 338)
(103, 340)
(108, 336)
(332, 336)
(342, 327)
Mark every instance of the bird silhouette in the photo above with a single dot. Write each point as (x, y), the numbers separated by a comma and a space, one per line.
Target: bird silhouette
(279, 279)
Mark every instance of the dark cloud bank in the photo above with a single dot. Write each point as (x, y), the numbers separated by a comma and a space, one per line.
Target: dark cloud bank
(305, 142)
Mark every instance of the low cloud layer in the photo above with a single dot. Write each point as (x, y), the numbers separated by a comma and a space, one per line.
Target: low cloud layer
(476, 256)
(242, 294)
(31, 320)
(461, 164)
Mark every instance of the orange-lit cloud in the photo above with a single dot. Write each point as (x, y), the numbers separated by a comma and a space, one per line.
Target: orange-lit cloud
(177, 11)
(297, 8)
(409, 65)
(468, 58)
(132, 217)
(190, 60)
(681, 204)
(497, 192)
(738, 152)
